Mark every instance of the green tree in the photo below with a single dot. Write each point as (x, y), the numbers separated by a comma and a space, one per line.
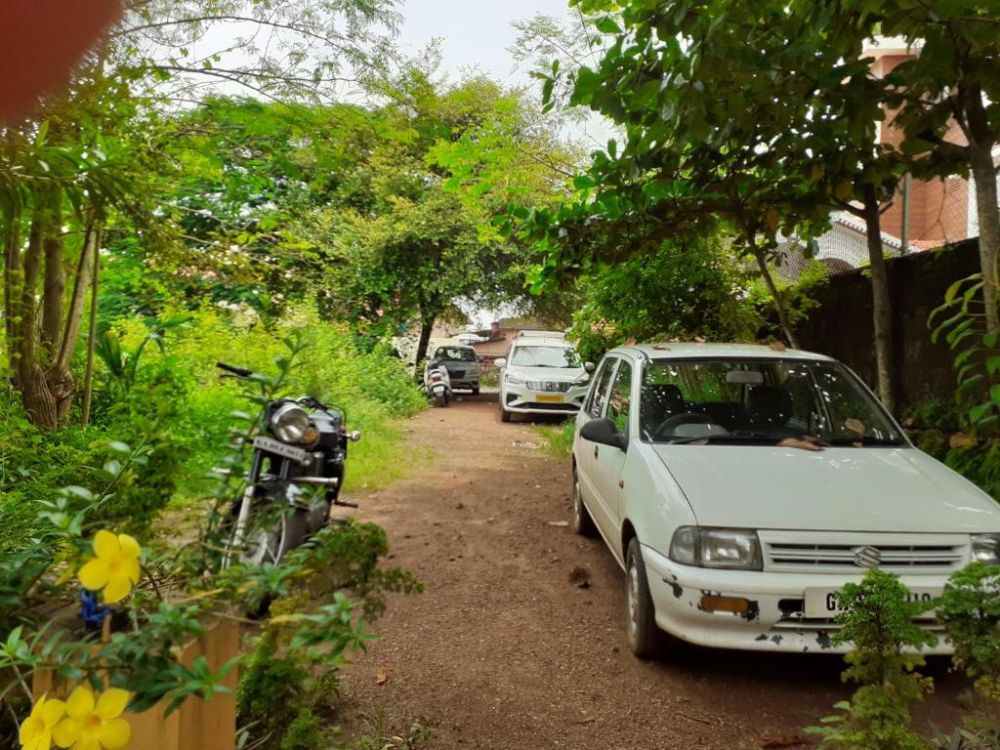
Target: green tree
(707, 141)
(953, 79)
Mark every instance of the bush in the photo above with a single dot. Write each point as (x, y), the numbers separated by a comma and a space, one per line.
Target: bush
(877, 618)
(970, 610)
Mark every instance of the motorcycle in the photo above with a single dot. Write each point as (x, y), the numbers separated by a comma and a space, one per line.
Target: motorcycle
(437, 382)
(295, 478)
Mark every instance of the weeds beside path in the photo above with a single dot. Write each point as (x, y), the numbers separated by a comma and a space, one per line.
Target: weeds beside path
(502, 651)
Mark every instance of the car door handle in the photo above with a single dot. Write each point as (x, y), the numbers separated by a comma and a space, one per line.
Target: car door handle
(597, 448)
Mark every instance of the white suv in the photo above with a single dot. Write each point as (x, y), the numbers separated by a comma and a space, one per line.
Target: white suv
(542, 375)
(740, 488)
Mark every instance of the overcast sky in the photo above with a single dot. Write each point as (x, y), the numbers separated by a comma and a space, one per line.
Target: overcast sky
(474, 33)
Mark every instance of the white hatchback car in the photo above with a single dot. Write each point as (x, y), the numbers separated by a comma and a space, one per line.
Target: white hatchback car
(542, 374)
(741, 487)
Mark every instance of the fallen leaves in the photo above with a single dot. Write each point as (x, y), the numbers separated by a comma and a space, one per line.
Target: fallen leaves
(382, 675)
(807, 443)
(962, 440)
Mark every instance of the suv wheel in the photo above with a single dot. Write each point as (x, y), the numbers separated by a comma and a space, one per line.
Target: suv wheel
(644, 637)
(583, 523)
(505, 416)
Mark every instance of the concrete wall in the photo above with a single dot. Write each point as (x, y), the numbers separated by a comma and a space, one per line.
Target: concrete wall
(842, 325)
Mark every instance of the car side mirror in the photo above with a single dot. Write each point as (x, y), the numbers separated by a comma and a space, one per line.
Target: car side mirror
(500, 363)
(603, 432)
(588, 366)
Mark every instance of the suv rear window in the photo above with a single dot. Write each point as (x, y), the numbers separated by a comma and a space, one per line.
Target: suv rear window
(455, 354)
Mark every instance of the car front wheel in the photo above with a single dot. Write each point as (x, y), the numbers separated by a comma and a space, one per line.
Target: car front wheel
(644, 637)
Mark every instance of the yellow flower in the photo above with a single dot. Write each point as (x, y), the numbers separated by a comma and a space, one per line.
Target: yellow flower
(36, 731)
(116, 567)
(94, 723)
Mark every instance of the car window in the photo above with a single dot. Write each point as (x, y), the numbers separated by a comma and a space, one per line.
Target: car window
(599, 392)
(760, 400)
(620, 400)
(455, 354)
(541, 355)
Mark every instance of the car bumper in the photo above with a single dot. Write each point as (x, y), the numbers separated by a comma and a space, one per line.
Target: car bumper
(523, 400)
(775, 620)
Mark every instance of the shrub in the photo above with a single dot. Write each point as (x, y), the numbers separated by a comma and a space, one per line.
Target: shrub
(970, 610)
(877, 618)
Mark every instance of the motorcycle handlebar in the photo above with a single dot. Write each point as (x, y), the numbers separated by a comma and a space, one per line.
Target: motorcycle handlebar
(238, 371)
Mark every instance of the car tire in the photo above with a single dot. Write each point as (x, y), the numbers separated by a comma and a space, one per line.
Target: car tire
(583, 523)
(645, 638)
(475, 391)
(505, 416)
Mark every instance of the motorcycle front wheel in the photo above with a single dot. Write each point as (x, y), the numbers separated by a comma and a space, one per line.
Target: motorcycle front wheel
(271, 545)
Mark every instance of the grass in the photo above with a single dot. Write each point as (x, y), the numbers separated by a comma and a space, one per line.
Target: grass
(382, 457)
(558, 438)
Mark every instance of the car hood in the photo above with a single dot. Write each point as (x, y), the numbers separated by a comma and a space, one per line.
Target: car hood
(546, 373)
(837, 489)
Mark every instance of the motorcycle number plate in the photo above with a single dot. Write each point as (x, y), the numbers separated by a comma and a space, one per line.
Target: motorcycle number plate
(280, 449)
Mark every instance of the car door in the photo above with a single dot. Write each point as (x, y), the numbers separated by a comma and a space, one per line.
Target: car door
(593, 408)
(609, 460)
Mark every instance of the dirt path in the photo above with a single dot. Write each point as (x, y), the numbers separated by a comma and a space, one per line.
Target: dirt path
(502, 651)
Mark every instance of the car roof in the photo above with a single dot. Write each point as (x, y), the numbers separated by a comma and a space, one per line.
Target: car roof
(684, 350)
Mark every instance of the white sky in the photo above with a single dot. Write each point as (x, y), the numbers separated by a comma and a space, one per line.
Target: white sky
(475, 33)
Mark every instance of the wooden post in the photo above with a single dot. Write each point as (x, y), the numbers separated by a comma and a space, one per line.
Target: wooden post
(197, 723)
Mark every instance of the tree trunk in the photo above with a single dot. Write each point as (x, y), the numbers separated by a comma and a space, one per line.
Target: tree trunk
(88, 377)
(985, 175)
(426, 327)
(881, 302)
(779, 304)
(54, 283)
(11, 269)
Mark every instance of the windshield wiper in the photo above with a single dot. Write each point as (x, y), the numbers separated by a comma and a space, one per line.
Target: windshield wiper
(726, 437)
(865, 441)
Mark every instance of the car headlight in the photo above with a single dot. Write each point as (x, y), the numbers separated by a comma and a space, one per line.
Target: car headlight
(514, 380)
(986, 548)
(290, 423)
(730, 549)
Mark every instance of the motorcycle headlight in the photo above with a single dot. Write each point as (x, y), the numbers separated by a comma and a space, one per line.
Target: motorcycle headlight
(986, 548)
(729, 549)
(290, 423)
(514, 380)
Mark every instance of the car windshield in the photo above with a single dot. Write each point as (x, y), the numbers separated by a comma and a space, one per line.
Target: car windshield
(455, 354)
(544, 356)
(754, 401)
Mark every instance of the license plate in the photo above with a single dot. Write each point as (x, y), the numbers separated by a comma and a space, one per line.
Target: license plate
(280, 449)
(823, 602)
(549, 398)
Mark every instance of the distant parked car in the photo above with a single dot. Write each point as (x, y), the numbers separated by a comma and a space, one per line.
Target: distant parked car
(740, 488)
(462, 365)
(542, 374)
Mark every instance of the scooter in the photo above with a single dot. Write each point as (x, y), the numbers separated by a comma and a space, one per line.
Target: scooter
(437, 382)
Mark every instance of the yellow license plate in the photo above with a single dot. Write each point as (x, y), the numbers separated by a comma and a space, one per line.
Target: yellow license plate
(549, 399)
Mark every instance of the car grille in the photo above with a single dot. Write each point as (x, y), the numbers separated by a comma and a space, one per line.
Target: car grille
(856, 552)
(548, 386)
